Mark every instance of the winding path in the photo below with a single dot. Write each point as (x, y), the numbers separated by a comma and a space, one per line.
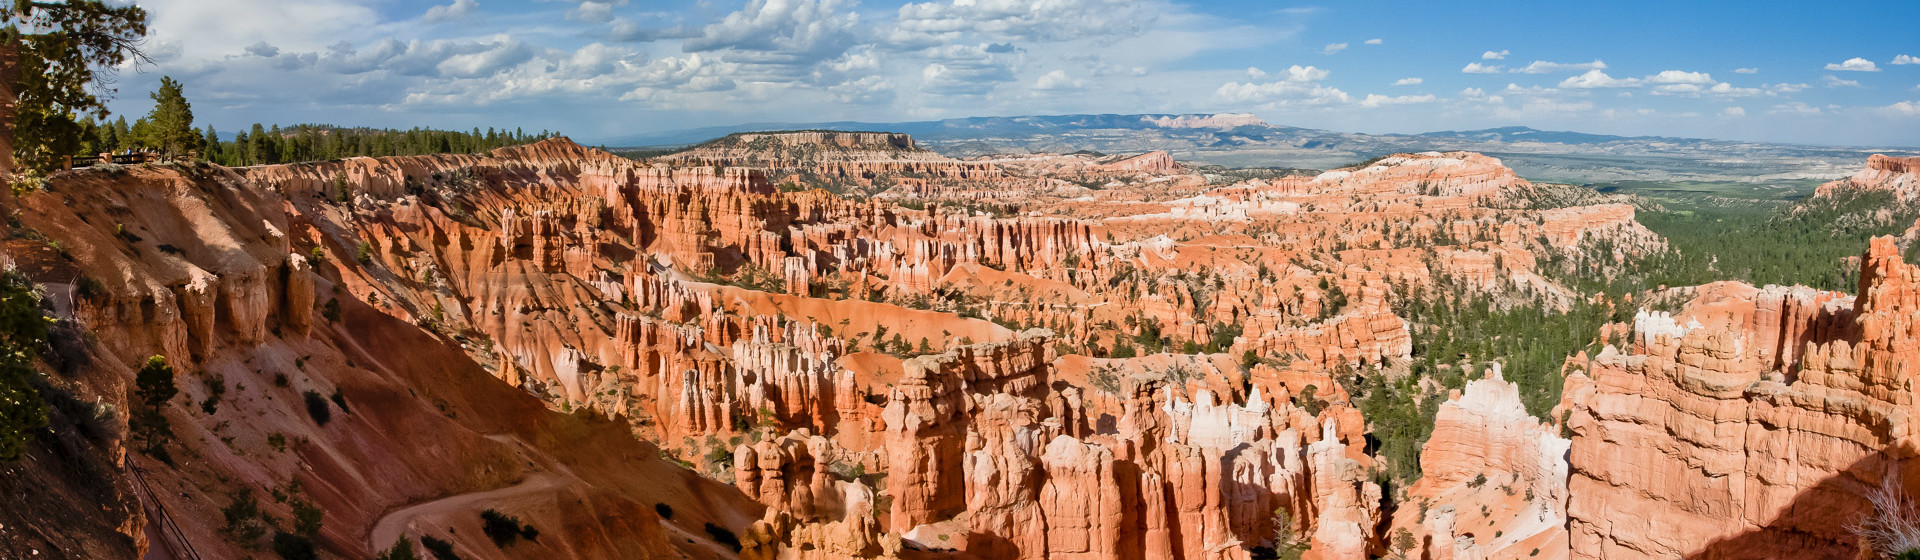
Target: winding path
(393, 524)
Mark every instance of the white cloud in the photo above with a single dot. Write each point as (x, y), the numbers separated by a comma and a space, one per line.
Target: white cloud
(1905, 108)
(1490, 55)
(592, 12)
(1746, 70)
(459, 9)
(1408, 82)
(1680, 77)
(1374, 41)
(1377, 100)
(1729, 90)
(1477, 68)
(1795, 108)
(1597, 79)
(1783, 88)
(781, 31)
(1543, 67)
(1056, 80)
(934, 22)
(1833, 81)
(1906, 59)
(1255, 73)
(1298, 85)
(1855, 64)
(1734, 112)
(1332, 48)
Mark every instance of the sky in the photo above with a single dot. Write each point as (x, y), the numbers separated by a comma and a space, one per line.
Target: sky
(1829, 73)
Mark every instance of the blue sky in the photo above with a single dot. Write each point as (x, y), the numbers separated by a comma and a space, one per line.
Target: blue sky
(1799, 72)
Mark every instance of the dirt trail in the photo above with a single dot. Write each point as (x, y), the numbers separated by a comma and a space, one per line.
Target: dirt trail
(393, 524)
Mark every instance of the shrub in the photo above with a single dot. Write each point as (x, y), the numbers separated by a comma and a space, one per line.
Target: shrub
(331, 311)
(216, 387)
(1892, 529)
(441, 550)
(244, 526)
(294, 547)
(317, 408)
(503, 529)
(402, 550)
(339, 400)
(306, 518)
(723, 536)
(665, 511)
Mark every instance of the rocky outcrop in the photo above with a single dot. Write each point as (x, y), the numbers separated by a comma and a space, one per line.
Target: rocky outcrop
(1493, 483)
(1897, 175)
(1750, 423)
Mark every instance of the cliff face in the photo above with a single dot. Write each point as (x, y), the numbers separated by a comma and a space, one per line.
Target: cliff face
(1037, 356)
(1897, 175)
(1494, 480)
(400, 431)
(1750, 422)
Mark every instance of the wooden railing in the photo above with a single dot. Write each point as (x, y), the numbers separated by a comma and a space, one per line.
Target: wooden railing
(123, 159)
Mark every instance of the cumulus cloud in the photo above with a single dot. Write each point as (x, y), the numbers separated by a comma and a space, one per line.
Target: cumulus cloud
(1597, 79)
(1408, 82)
(1833, 81)
(1057, 80)
(1746, 70)
(1734, 112)
(1297, 85)
(1794, 108)
(1906, 59)
(1543, 67)
(966, 70)
(592, 12)
(782, 31)
(1905, 108)
(1332, 48)
(1855, 64)
(1374, 41)
(1377, 100)
(930, 23)
(1491, 55)
(263, 49)
(459, 9)
(1478, 68)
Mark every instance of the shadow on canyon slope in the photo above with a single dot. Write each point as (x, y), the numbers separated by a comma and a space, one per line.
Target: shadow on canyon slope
(1814, 524)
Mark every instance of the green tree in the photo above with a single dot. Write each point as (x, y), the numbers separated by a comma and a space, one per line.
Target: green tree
(50, 53)
(402, 550)
(153, 384)
(22, 330)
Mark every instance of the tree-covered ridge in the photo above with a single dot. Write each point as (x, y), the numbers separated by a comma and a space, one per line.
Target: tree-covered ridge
(264, 145)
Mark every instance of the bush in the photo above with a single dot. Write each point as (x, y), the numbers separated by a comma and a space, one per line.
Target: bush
(665, 511)
(723, 536)
(294, 547)
(317, 408)
(402, 550)
(505, 529)
(1892, 529)
(441, 550)
(244, 526)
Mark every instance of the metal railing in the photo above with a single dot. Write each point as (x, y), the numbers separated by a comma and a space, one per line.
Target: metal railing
(170, 534)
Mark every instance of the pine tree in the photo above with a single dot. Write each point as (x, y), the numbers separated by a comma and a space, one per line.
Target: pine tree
(171, 120)
(49, 55)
